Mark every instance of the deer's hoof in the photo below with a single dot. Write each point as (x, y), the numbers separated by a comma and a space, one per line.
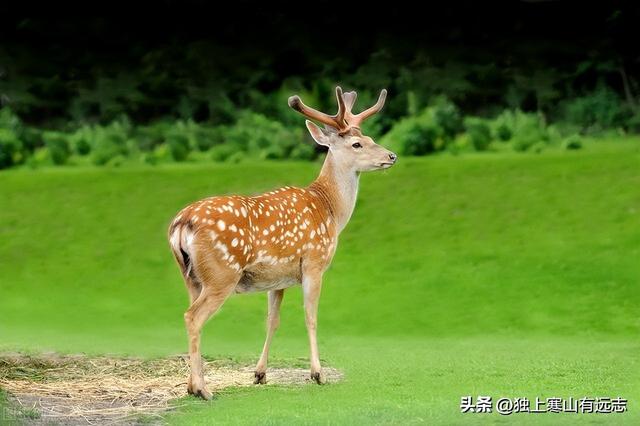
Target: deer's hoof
(319, 378)
(200, 392)
(260, 378)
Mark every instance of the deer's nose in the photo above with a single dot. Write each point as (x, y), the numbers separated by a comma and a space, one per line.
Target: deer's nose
(393, 157)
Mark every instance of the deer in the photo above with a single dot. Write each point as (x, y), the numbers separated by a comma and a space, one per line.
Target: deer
(273, 241)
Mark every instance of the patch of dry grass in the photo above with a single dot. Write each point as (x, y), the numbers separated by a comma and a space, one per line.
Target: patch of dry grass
(77, 389)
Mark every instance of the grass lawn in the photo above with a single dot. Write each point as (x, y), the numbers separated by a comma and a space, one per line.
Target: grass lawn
(501, 275)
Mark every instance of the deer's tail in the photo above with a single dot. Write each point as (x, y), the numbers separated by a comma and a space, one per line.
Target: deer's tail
(180, 237)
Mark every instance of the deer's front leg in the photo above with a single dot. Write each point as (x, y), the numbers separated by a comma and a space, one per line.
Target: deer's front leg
(273, 321)
(311, 285)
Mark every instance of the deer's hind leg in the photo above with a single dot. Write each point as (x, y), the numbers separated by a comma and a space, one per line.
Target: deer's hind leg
(273, 321)
(217, 281)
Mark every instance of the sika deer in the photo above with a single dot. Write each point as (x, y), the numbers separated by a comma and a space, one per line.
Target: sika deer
(273, 241)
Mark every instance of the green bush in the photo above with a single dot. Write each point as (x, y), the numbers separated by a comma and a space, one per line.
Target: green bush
(57, 146)
(522, 130)
(80, 141)
(222, 152)
(417, 135)
(446, 115)
(303, 151)
(39, 158)
(260, 137)
(572, 142)
(479, 133)
(237, 157)
(178, 146)
(596, 111)
(10, 149)
(108, 142)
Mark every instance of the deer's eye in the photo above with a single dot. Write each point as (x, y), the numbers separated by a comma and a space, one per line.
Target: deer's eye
(357, 145)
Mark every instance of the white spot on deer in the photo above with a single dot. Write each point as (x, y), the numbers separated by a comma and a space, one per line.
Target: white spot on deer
(230, 203)
(236, 212)
(234, 242)
(312, 234)
(243, 211)
(272, 228)
(241, 232)
(241, 242)
(221, 225)
(233, 228)
(265, 232)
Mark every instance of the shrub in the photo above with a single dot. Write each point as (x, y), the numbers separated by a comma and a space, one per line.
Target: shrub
(149, 137)
(538, 147)
(237, 157)
(418, 135)
(597, 111)
(109, 142)
(446, 115)
(522, 130)
(178, 145)
(222, 152)
(572, 142)
(633, 123)
(39, 158)
(303, 151)
(260, 137)
(10, 149)
(479, 133)
(116, 161)
(57, 146)
(80, 141)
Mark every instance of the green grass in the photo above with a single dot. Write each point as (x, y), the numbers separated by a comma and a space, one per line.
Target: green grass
(503, 275)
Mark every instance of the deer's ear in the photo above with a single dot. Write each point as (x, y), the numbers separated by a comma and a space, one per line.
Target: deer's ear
(319, 135)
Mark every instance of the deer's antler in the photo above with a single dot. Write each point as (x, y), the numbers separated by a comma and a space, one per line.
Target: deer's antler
(344, 120)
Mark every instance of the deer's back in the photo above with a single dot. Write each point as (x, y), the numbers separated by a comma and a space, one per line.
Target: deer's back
(266, 237)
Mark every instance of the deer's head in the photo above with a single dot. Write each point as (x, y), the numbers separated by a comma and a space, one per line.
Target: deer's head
(342, 134)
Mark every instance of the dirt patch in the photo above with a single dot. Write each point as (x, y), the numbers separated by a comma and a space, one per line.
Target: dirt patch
(78, 389)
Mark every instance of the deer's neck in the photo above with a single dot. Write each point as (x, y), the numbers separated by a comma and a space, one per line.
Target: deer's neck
(337, 187)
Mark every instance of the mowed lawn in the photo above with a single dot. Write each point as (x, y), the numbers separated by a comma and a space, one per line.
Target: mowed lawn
(499, 275)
